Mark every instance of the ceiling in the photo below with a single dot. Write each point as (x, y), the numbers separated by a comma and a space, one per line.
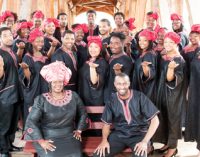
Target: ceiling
(107, 6)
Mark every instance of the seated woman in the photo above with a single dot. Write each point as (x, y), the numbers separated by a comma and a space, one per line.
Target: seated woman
(51, 123)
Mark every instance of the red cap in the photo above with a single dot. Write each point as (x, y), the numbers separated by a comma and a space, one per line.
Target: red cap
(94, 39)
(24, 25)
(154, 15)
(150, 35)
(173, 36)
(175, 16)
(49, 20)
(162, 30)
(195, 28)
(82, 27)
(34, 34)
(6, 14)
(38, 14)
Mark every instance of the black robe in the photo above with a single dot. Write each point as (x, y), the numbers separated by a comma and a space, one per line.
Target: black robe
(142, 83)
(92, 95)
(169, 101)
(127, 69)
(36, 85)
(47, 45)
(192, 127)
(82, 53)
(70, 60)
(95, 32)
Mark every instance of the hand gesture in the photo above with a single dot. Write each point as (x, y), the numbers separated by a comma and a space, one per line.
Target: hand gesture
(26, 70)
(77, 135)
(140, 148)
(20, 45)
(93, 65)
(101, 149)
(172, 64)
(47, 145)
(117, 66)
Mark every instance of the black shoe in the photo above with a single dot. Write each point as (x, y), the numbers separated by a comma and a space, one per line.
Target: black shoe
(161, 151)
(15, 149)
(174, 154)
(4, 155)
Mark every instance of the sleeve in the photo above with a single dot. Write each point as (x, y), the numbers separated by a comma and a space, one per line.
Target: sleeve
(83, 121)
(179, 74)
(107, 116)
(32, 126)
(127, 66)
(152, 68)
(56, 57)
(148, 109)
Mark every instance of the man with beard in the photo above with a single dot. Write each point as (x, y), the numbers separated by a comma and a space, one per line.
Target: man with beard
(9, 92)
(62, 17)
(134, 118)
(93, 29)
(69, 57)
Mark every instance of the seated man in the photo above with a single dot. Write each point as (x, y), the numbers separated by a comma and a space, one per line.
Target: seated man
(134, 118)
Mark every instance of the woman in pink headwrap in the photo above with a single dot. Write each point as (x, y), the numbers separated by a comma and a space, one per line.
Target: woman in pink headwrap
(33, 61)
(170, 95)
(92, 77)
(57, 117)
(192, 56)
(37, 18)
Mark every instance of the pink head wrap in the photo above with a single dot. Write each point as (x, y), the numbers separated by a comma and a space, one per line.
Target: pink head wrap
(34, 34)
(49, 20)
(175, 16)
(56, 71)
(38, 14)
(173, 36)
(94, 39)
(83, 27)
(24, 25)
(130, 22)
(154, 15)
(150, 35)
(195, 28)
(6, 14)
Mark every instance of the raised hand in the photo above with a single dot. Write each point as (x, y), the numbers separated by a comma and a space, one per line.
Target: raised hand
(173, 64)
(26, 70)
(20, 45)
(93, 65)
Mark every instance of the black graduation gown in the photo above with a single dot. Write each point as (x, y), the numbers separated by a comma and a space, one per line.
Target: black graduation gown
(82, 53)
(95, 32)
(192, 127)
(55, 120)
(142, 83)
(15, 48)
(127, 69)
(36, 85)
(184, 40)
(92, 95)
(169, 102)
(47, 44)
(70, 62)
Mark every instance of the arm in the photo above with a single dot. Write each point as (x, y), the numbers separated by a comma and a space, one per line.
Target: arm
(1, 67)
(94, 78)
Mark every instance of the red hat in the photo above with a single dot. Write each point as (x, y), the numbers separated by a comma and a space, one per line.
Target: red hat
(24, 25)
(56, 71)
(82, 27)
(49, 20)
(6, 14)
(150, 35)
(94, 39)
(154, 15)
(34, 34)
(195, 28)
(175, 16)
(173, 36)
(38, 14)
(162, 30)
(130, 22)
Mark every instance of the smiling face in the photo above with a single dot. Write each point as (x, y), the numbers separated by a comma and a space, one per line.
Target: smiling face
(119, 20)
(122, 85)
(37, 22)
(6, 38)
(57, 86)
(143, 42)
(116, 45)
(104, 28)
(176, 24)
(91, 18)
(68, 40)
(169, 45)
(38, 44)
(79, 34)
(150, 22)
(194, 38)
(50, 28)
(24, 32)
(63, 20)
(94, 50)
(9, 21)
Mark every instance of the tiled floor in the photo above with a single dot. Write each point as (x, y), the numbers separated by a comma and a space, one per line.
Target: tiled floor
(185, 149)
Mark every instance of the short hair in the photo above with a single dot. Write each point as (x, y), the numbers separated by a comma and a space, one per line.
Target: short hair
(68, 32)
(120, 14)
(4, 29)
(60, 14)
(91, 11)
(105, 20)
(149, 13)
(122, 75)
(119, 35)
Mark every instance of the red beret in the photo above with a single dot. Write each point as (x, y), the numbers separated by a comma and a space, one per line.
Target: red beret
(94, 39)
(34, 34)
(173, 36)
(49, 20)
(154, 15)
(82, 27)
(38, 14)
(150, 35)
(6, 14)
(24, 25)
(195, 28)
(175, 16)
